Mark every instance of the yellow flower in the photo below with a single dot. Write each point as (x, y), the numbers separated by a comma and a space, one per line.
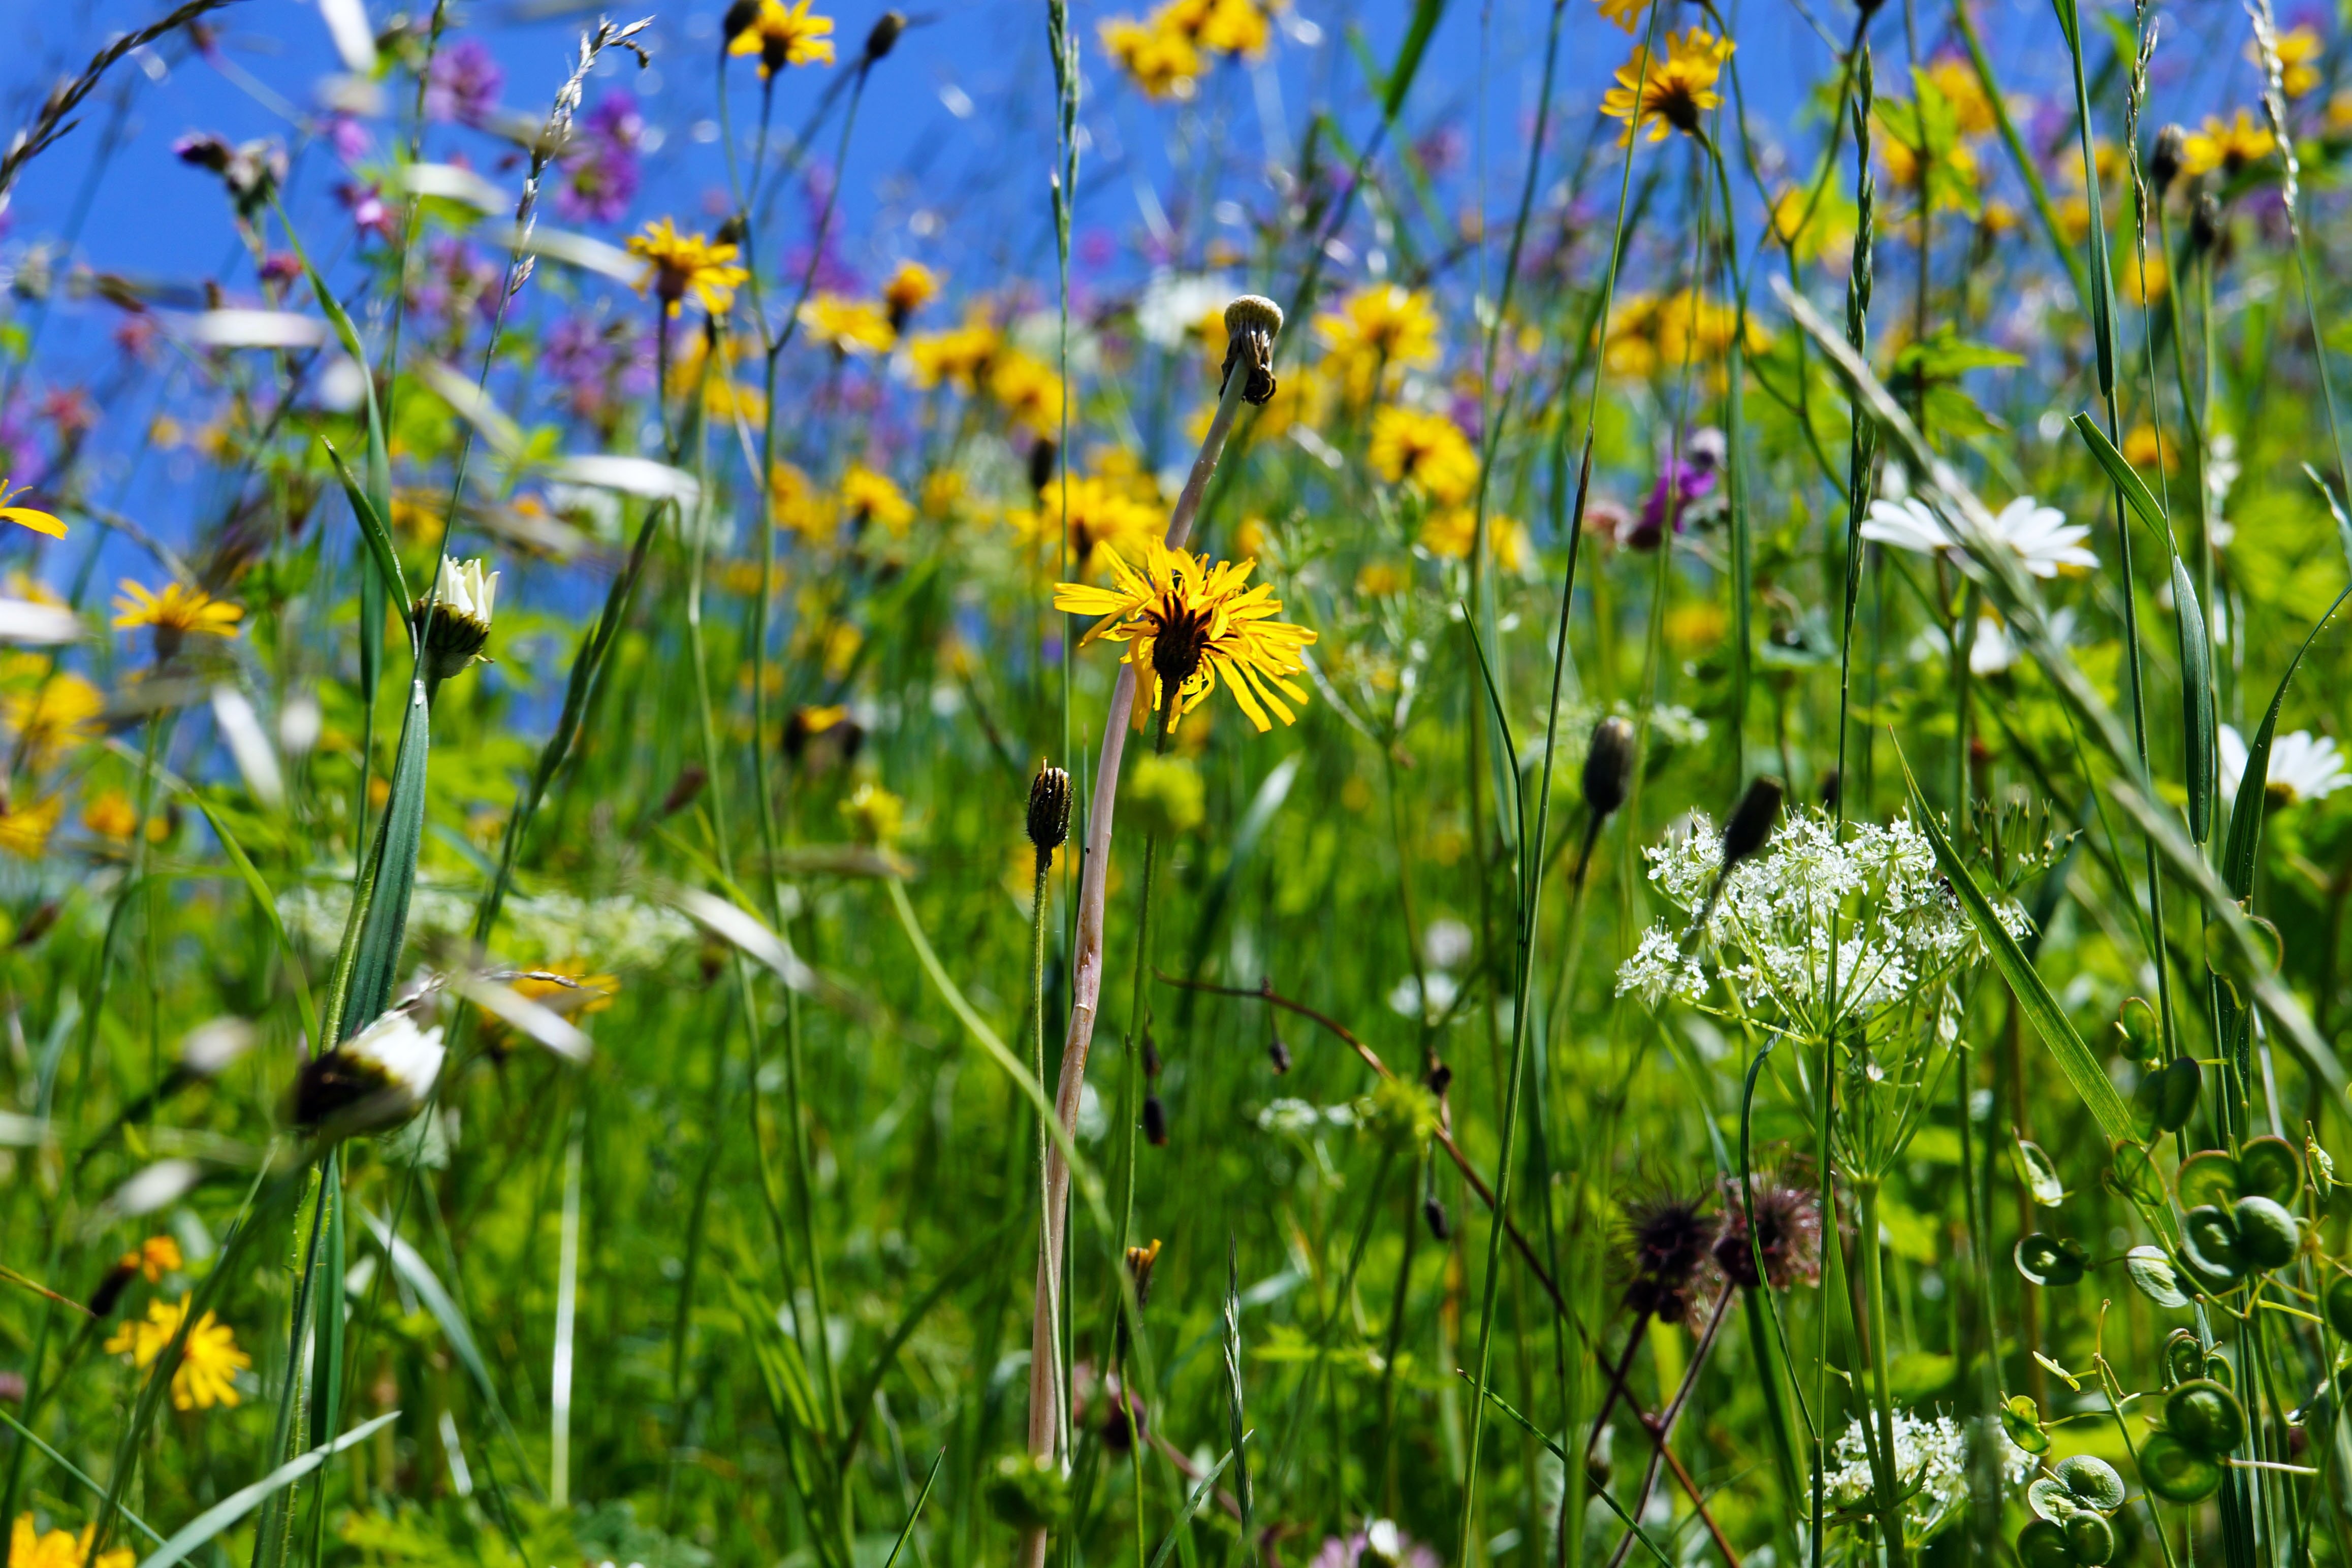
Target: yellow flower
(678, 264)
(911, 288)
(40, 522)
(2143, 448)
(2227, 146)
(1448, 532)
(960, 354)
(1379, 331)
(849, 326)
(1218, 26)
(2145, 287)
(55, 713)
(798, 507)
(1428, 450)
(155, 1256)
(1161, 61)
(782, 36)
(1185, 623)
(112, 816)
(574, 992)
(179, 610)
(2299, 49)
(1107, 522)
(27, 1548)
(867, 496)
(874, 815)
(840, 644)
(1379, 580)
(1028, 389)
(25, 830)
(1964, 90)
(1812, 229)
(1670, 93)
(723, 397)
(1626, 13)
(209, 1359)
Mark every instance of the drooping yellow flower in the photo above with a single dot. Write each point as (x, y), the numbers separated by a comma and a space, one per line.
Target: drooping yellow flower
(1027, 388)
(180, 609)
(784, 34)
(1107, 522)
(1448, 533)
(910, 287)
(867, 496)
(209, 1359)
(1186, 622)
(1427, 450)
(31, 517)
(678, 264)
(1671, 93)
(29, 1548)
(960, 355)
(1626, 13)
(25, 830)
(55, 713)
(1160, 61)
(2299, 49)
(849, 326)
(2226, 145)
(1380, 331)
(154, 1258)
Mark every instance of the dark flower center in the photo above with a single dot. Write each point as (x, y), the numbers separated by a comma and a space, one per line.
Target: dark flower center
(1180, 642)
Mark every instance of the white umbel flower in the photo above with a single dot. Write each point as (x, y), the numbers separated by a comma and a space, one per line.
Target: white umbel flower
(2303, 766)
(2044, 542)
(377, 1079)
(1931, 1465)
(458, 627)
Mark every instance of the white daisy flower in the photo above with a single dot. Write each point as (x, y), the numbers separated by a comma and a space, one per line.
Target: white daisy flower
(2303, 766)
(379, 1078)
(2045, 541)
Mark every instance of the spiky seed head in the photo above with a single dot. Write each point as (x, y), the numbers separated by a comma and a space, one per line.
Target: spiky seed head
(1049, 812)
(1752, 820)
(1609, 766)
(1252, 323)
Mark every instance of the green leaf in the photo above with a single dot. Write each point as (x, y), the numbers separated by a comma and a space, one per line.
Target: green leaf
(2123, 475)
(2049, 1022)
(1199, 1495)
(2195, 701)
(374, 963)
(409, 1266)
(244, 1500)
(1408, 56)
(2246, 813)
(2153, 1272)
(372, 528)
(269, 902)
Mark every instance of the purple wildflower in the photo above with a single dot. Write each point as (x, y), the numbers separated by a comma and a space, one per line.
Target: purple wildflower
(600, 166)
(1379, 1544)
(464, 82)
(1683, 483)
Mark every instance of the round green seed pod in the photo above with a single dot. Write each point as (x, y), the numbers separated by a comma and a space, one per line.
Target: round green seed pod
(2092, 1482)
(2267, 1236)
(2205, 1416)
(2174, 1471)
(2212, 1238)
(2091, 1539)
(2339, 1305)
(2042, 1545)
(2184, 1357)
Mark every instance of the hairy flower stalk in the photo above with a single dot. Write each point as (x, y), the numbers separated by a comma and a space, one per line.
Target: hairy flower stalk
(1251, 326)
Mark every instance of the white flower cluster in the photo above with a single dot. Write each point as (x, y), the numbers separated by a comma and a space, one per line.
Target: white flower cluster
(1303, 1116)
(1931, 1464)
(1899, 927)
(619, 932)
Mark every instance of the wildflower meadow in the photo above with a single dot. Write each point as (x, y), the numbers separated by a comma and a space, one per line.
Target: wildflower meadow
(1178, 783)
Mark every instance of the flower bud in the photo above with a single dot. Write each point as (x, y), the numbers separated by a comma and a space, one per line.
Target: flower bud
(377, 1079)
(2163, 158)
(1049, 813)
(1608, 766)
(1140, 1263)
(1752, 820)
(1433, 1210)
(1155, 1122)
(739, 15)
(458, 627)
(2205, 224)
(1252, 323)
(884, 34)
(1279, 1055)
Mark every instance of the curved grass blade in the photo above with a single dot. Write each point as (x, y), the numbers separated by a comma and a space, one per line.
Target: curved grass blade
(238, 1503)
(1192, 1501)
(915, 1513)
(2246, 811)
(26, 1433)
(268, 904)
(2049, 1022)
(375, 961)
(1540, 1436)
(2197, 724)
(412, 1267)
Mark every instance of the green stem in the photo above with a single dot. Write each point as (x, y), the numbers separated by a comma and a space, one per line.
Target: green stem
(1887, 1483)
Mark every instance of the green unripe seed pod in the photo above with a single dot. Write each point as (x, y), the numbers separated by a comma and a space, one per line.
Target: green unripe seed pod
(2091, 1539)
(2267, 1236)
(2339, 1305)
(2205, 1416)
(2042, 1545)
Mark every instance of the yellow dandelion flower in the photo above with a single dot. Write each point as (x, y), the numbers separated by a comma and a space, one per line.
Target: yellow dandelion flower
(209, 1358)
(31, 517)
(1107, 522)
(2226, 145)
(911, 288)
(29, 1548)
(1448, 533)
(55, 713)
(1426, 450)
(1027, 388)
(1382, 333)
(25, 830)
(799, 506)
(1239, 28)
(1161, 61)
(1186, 622)
(1972, 110)
(874, 815)
(179, 610)
(867, 496)
(782, 36)
(849, 326)
(1626, 13)
(678, 264)
(1671, 93)
(2299, 49)
(961, 355)
(154, 1258)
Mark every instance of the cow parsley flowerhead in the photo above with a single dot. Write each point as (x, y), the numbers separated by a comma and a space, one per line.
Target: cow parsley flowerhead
(1931, 1466)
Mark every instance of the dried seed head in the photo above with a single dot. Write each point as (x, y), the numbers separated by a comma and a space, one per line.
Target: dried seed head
(884, 36)
(1155, 1122)
(1609, 766)
(1252, 323)
(2163, 158)
(1752, 820)
(1278, 1053)
(2205, 224)
(1049, 812)
(1433, 1211)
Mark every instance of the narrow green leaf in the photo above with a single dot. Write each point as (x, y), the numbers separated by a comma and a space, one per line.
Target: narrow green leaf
(372, 528)
(238, 1503)
(375, 961)
(269, 902)
(411, 1266)
(2125, 477)
(1200, 1494)
(1426, 15)
(1234, 1406)
(27, 1435)
(2246, 811)
(2074, 1058)
(327, 1388)
(915, 1513)
(2197, 726)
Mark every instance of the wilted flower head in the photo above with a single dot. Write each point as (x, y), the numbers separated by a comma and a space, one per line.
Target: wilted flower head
(251, 170)
(1667, 1244)
(377, 1079)
(1788, 1233)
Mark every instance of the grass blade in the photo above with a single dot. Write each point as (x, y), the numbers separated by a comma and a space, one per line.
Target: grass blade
(244, 1500)
(2246, 813)
(1192, 1501)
